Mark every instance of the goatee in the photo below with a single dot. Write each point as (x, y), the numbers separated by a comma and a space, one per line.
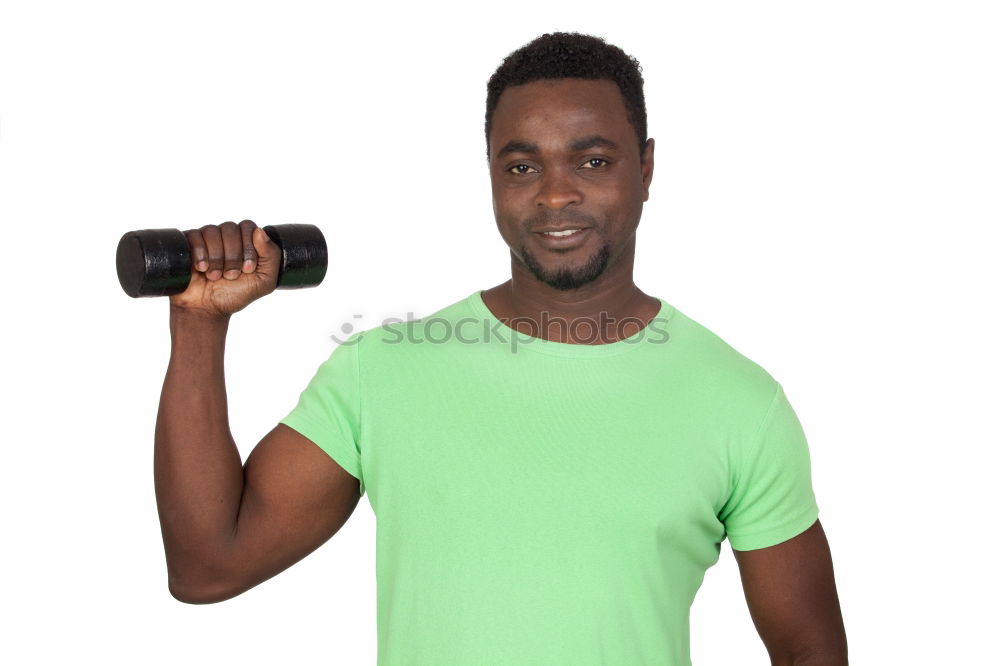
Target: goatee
(565, 279)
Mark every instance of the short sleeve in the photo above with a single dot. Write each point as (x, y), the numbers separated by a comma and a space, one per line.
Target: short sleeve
(329, 409)
(772, 498)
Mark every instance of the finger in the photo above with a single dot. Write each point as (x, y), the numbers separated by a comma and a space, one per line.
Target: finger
(232, 250)
(213, 246)
(199, 256)
(249, 253)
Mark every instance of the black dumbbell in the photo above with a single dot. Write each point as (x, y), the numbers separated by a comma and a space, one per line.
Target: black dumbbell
(157, 262)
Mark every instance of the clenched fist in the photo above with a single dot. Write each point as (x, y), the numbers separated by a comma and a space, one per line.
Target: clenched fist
(232, 265)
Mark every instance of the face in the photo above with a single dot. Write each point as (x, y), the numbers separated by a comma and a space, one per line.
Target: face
(563, 156)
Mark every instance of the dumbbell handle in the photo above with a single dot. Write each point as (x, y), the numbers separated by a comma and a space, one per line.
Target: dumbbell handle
(157, 262)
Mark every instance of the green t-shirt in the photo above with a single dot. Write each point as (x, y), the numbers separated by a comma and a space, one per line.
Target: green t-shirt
(547, 503)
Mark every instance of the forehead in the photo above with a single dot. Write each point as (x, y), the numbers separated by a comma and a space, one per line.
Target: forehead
(556, 111)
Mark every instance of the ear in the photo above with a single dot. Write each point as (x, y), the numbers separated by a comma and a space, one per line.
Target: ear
(646, 164)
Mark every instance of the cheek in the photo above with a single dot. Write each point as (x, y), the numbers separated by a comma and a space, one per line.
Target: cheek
(505, 208)
(506, 223)
(629, 201)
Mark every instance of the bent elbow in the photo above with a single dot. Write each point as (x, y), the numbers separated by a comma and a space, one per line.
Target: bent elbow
(201, 592)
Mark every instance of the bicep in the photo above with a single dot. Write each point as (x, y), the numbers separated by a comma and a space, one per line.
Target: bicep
(792, 596)
(295, 498)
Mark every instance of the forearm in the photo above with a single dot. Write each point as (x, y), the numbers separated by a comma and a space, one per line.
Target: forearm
(835, 655)
(815, 661)
(198, 472)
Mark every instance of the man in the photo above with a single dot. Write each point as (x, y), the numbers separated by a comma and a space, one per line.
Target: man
(553, 462)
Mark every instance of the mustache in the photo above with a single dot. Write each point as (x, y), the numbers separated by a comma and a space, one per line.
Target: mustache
(559, 219)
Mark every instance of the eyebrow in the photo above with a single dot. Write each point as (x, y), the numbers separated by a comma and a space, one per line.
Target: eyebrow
(516, 146)
(595, 141)
(585, 143)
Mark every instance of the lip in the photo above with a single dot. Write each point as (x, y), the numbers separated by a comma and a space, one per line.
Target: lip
(563, 242)
(562, 228)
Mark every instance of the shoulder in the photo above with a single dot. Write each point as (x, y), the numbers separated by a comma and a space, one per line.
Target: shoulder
(717, 367)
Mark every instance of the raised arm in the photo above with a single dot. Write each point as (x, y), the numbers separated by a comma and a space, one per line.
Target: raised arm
(227, 527)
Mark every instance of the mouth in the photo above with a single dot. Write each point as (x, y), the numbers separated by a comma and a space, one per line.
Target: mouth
(561, 232)
(563, 239)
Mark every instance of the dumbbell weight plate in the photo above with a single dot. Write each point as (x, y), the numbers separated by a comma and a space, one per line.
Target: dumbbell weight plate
(303, 254)
(153, 262)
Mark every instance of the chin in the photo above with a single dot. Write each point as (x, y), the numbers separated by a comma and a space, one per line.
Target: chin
(567, 278)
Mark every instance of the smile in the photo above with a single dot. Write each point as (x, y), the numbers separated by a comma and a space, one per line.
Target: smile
(563, 239)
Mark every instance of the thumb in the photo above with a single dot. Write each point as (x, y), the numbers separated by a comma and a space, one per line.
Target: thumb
(268, 252)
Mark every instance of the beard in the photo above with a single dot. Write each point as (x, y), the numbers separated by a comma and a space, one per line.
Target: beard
(568, 278)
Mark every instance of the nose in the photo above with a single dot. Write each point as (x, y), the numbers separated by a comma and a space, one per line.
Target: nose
(557, 189)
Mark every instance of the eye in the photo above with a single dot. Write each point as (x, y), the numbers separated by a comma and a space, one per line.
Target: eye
(594, 163)
(521, 169)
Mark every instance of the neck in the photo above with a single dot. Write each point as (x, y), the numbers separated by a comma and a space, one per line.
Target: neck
(606, 310)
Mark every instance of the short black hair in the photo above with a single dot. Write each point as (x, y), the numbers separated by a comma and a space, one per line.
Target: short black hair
(560, 55)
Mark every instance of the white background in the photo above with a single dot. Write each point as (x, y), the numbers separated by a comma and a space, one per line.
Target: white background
(825, 199)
